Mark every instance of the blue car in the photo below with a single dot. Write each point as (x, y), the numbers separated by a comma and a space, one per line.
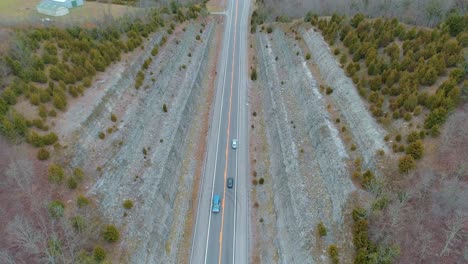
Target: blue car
(216, 203)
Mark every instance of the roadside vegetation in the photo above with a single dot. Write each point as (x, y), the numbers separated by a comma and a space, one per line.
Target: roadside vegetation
(412, 80)
(426, 13)
(44, 70)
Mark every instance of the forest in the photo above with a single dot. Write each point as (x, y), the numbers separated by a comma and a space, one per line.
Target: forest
(412, 78)
(43, 70)
(417, 12)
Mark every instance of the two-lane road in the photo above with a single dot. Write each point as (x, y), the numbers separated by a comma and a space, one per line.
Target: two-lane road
(223, 237)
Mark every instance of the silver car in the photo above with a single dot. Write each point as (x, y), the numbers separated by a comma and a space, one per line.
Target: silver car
(234, 143)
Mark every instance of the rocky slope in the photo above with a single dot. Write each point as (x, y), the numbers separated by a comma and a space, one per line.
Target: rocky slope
(143, 155)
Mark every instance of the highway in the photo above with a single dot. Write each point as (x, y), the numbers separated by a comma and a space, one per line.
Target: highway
(224, 237)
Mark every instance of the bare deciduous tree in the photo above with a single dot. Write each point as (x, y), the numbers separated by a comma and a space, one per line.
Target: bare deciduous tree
(454, 232)
(426, 245)
(24, 236)
(6, 257)
(20, 172)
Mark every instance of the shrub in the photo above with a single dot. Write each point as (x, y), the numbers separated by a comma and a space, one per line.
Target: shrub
(72, 183)
(59, 101)
(357, 19)
(343, 59)
(436, 117)
(329, 90)
(102, 135)
(56, 174)
(367, 178)
(375, 83)
(353, 147)
(415, 149)
(99, 254)
(412, 137)
(358, 213)
(43, 154)
(322, 230)
(164, 108)
(82, 201)
(269, 29)
(197, 37)
(56, 208)
(456, 23)
(333, 252)
(113, 118)
(406, 163)
(139, 79)
(155, 51)
(398, 138)
(78, 223)
(42, 111)
(407, 116)
(261, 181)
(253, 74)
(128, 204)
(111, 233)
(78, 174)
(308, 56)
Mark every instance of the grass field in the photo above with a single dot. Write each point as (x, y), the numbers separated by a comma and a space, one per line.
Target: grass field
(14, 12)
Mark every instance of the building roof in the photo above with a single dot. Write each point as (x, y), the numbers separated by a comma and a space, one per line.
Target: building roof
(49, 5)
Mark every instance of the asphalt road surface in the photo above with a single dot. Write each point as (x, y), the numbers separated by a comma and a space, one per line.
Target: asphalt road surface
(224, 237)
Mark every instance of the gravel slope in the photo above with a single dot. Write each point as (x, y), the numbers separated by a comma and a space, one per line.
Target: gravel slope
(311, 182)
(143, 158)
(367, 134)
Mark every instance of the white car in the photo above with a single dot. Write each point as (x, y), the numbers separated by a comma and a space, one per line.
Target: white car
(234, 143)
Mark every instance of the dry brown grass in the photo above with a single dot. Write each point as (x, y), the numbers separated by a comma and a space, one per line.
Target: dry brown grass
(185, 247)
(216, 5)
(437, 190)
(14, 12)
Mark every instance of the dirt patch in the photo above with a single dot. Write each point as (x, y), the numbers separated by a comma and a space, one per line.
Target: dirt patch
(201, 142)
(436, 201)
(216, 5)
(23, 12)
(146, 155)
(309, 163)
(24, 192)
(264, 249)
(367, 134)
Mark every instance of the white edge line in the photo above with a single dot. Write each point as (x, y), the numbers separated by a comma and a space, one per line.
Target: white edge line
(217, 142)
(199, 197)
(240, 106)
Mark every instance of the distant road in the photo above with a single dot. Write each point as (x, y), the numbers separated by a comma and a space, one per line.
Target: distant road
(224, 237)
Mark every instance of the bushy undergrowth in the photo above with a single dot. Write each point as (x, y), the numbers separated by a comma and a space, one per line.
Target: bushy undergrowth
(47, 65)
(367, 251)
(111, 233)
(395, 67)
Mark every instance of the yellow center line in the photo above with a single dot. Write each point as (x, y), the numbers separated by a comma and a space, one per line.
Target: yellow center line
(227, 141)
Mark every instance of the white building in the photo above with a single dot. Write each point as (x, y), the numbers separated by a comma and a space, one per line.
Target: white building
(57, 7)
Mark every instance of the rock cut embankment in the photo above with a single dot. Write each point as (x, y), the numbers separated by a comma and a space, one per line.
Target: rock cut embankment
(142, 156)
(307, 156)
(369, 136)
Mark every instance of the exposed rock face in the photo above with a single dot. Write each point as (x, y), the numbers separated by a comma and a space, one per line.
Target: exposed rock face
(366, 132)
(307, 190)
(143, 158)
